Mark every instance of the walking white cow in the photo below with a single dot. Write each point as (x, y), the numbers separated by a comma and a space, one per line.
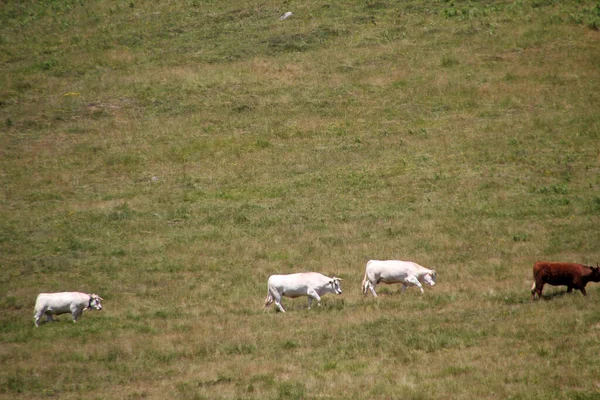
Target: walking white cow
(65, 302)
(311, 284)
(395, 271)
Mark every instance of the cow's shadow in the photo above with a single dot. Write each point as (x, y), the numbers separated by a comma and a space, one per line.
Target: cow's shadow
(53, 322)
(558, 294)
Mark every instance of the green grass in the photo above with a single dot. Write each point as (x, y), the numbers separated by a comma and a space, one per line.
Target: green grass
(170, 156)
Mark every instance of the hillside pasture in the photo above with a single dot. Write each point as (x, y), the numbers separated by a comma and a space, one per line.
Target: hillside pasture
(171, 156)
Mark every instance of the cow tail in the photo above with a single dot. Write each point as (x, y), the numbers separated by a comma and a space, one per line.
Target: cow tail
(365, 284)
(269, 298)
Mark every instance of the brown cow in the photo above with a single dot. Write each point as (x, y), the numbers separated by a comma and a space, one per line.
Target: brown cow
(574, 276)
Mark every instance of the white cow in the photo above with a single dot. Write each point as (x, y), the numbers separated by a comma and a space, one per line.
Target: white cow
(394, 271)
(65, 302)
(311, 284)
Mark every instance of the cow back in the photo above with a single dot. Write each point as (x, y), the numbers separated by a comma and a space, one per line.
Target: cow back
(557, 273)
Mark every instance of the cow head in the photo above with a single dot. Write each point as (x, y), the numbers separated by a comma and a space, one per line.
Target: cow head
(335, 284)
(595, 275)
(430, 278)
(95, 302)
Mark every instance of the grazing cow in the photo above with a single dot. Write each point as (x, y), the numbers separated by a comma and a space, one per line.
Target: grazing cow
(65, 302)
(573, 276)
(311, 284)
(394, 271)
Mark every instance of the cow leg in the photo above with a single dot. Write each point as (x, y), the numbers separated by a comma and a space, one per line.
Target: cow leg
(414, 281)
(312, 294)
(372, 288)
(365, 286)
(404, 286)
(538, 286)
(369, 283)
(49, 317)
(37, 317)
(277, 298)
(75, 314)
(583, 291)
(279, 306)
(569, 289)
(273, 296)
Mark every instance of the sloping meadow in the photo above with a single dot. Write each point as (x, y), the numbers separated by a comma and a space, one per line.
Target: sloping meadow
(170, 156)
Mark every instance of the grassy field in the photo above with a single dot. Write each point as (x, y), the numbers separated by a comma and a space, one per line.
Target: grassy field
(171, 155)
